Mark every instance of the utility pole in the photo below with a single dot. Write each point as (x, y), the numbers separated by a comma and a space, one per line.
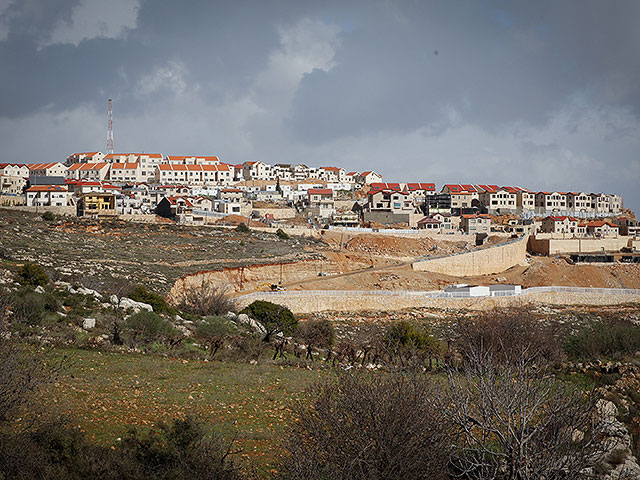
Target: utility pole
(110, 127)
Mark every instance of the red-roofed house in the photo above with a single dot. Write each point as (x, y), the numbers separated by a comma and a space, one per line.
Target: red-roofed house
(256, 171)
(579, 202)
(602, 229)
(368, 177)
(125, 172)
(190, 174)
(88, 171)
(333, 174)
(51, 169)
(560, 224)
(462, 196)
(85, 157)
(551, 202)
(496, 200)
(14, 169)
(47, 196)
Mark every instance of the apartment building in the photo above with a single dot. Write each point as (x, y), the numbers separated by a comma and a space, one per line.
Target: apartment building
(257, 171)
(321, 203)
(580, 202)
(11, 184)
(85, 157)
(193, 174)
(368, 177)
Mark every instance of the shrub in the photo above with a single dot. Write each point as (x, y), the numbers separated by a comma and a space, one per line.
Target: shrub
(32, 274)
(604, 338)
(204, 299)
(213, 331)
(276, 319)
(242, 228)
(139, 293)
(367, 426)
(28, 308)
(282, 235)
(48, 216)
(178, 450)
(148, 327)
(51, 303)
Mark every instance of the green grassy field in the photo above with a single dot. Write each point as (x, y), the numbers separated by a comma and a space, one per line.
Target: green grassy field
(105, 393)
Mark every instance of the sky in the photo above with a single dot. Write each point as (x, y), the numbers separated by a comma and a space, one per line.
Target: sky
(544, 94)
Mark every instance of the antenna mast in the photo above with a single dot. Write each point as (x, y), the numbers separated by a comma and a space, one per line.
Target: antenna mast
(110, 129)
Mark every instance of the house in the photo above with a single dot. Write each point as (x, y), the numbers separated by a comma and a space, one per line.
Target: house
(368, 177)
(346, 219)
(551, 202)
(14, 169)
(47, 196)
(81, 187)
(560, 224)
(52, 169)
(602, 229)
(97, 204)
(192, 160)
(496, 200)
(580, 202)
(85, 157)
(391, 206)
(88, 171)
(333, 174)
(321, 203)
(628, 227)
(429, 223)
(604, 203)
(193, 174)
(525, 199)
(476, 223)
(462, 196)
(125, 172)
(170, 207)
(11, 184)
(257, 171)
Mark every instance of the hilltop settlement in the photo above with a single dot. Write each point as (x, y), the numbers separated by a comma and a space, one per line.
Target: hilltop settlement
(205, 190)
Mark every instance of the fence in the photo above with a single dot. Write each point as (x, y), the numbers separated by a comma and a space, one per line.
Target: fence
(438, 293)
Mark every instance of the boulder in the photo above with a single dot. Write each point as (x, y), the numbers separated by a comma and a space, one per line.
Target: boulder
(39, 289)
(88, 323)
(88, 291)
(127, 303)
(244, 319)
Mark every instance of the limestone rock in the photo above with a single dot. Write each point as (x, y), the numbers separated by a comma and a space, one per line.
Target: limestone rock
(88, 323)
(244, 319)
(39, 289)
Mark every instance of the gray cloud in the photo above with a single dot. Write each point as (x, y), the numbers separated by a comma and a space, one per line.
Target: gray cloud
(541, 94)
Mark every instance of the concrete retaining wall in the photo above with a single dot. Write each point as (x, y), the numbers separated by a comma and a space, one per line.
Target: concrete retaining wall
(478, 262)
(278, 213)
(310, 302)
(555, 246)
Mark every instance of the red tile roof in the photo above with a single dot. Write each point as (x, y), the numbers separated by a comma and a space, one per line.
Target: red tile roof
(320, 191)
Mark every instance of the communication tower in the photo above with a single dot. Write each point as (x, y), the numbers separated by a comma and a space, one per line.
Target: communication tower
(110, 129)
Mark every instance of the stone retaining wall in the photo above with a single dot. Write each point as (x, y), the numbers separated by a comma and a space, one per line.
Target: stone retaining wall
(556, 246)
(484, 261)
(304, 303)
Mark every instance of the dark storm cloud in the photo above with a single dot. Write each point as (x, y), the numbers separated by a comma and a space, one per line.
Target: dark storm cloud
(541, 94)
(491, 62)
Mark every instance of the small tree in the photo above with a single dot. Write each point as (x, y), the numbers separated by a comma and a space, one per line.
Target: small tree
(204, 298)
(28, 307)
(32, 274)
(315, 334)
(48, 216)
(214, 331)
(276, 319)
(411, 344)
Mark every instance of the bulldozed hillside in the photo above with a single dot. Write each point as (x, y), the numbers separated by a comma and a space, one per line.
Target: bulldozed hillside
(158, 255)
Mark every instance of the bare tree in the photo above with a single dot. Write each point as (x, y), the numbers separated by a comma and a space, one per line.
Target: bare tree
(515, 421)
(204, 298)
(368, 426)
